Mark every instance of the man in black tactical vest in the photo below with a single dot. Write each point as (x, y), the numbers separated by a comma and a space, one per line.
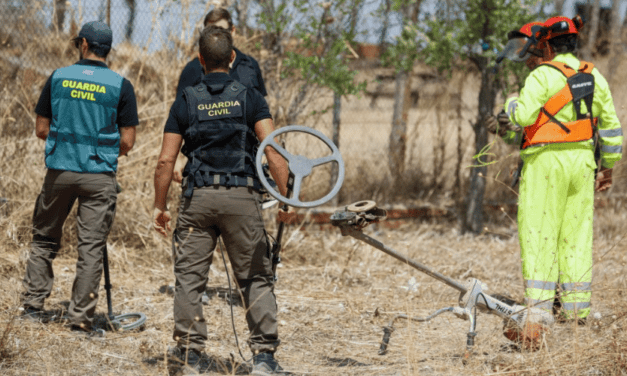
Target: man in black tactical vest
(243, 69)
(222, 123)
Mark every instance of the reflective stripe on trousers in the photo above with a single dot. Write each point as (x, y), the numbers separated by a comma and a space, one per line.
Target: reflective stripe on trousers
(555, 227)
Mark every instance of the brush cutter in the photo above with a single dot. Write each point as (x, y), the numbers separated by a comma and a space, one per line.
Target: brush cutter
(299, 167)
(473, 294)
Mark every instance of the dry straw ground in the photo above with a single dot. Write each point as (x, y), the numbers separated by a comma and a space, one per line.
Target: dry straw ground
(334, 294)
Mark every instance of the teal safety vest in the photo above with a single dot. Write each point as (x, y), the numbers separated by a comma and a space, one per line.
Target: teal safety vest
(84, 136)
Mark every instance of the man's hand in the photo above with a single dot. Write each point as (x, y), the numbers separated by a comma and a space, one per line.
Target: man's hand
(161, 221)
(492, 125)
(500, 124)
(604, 179)
(177, 175)
(284, 216)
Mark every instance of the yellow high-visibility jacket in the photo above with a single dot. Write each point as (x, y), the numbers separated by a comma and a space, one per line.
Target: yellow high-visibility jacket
(541, 84)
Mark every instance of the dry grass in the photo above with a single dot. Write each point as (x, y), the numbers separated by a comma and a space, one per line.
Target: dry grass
(334, 294)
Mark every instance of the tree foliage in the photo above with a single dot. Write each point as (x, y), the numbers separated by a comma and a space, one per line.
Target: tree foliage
(324, 40)
(461, 31)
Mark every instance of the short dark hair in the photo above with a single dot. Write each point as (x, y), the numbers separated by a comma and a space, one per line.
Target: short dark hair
(218, 14)
(95, 48)
(215, 46)
(564, 43)
(100, 51)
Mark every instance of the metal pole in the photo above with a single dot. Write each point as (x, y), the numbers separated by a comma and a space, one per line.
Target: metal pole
(108, 13)
(107, 286)
(377, 244)
(276, 249)
(337, 111)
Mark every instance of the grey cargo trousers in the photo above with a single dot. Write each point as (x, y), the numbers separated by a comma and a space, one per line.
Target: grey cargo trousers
(96, 195)
(235, 214)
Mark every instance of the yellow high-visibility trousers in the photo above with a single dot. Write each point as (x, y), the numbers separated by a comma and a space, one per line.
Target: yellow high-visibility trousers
(555, 215)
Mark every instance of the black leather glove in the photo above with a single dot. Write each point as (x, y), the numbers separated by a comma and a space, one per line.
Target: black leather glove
(500, 124)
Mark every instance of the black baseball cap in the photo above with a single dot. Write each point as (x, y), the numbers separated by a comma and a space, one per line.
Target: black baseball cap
(96, 33)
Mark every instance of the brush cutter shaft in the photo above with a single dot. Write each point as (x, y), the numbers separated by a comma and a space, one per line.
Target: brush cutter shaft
(416, 265)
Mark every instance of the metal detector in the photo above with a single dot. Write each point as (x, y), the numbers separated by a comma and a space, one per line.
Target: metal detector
(123, 322)
(473, 294)
(299, 167)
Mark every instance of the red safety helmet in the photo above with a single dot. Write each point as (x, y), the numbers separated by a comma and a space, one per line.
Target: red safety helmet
(556, 26)
(524, 31)
(518, 40)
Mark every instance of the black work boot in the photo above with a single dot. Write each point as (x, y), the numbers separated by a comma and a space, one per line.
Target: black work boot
(193, 361)
(264, 364)
(32, 314)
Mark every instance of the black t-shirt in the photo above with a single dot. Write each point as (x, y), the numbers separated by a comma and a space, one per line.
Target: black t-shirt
(127, 106)
(178, 119)
(245, 70)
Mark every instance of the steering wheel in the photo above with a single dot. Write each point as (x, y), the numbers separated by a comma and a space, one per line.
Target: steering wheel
(300, 166)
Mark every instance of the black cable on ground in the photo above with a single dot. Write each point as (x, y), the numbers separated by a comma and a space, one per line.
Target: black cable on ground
(228, 278)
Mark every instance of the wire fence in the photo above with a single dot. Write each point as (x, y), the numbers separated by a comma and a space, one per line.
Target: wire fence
(150, 26)
(153, 40)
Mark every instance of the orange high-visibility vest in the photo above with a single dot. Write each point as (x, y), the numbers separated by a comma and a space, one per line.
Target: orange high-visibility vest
(579, 86)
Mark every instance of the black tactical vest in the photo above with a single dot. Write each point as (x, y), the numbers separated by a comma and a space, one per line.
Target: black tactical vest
(220, 145)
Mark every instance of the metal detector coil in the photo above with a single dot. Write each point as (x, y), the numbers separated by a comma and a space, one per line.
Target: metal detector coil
(300, 166)
(123, 322)
(473, 293)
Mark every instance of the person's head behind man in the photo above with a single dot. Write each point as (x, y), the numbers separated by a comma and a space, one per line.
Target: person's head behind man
(215, 49)
(95, 38)
(219, 17)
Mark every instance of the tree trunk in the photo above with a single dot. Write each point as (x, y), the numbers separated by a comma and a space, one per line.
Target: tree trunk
(402, 104)
(473, 215)
(59, 15)
(615, 38)
(337, 111)
(385, 27)
(132, 11)
(242, 16)
(590, 46)
(397, 147)
(559, 7)
(108, 14)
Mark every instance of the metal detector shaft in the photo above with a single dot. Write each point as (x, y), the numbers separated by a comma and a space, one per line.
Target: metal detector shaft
(416, 265)
(107, 286)
(276, 248)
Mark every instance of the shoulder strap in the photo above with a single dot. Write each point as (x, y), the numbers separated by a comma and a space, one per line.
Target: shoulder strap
(586, 67)
(234, 89)
(565, 69)
(193, 95)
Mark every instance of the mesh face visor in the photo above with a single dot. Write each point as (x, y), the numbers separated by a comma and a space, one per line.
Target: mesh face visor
(513, 48)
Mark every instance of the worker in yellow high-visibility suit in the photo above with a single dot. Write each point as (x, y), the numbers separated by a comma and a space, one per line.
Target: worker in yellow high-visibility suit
(564, 109)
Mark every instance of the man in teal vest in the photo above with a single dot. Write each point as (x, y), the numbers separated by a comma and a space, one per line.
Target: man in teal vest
(87, 115)
(565, 109)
